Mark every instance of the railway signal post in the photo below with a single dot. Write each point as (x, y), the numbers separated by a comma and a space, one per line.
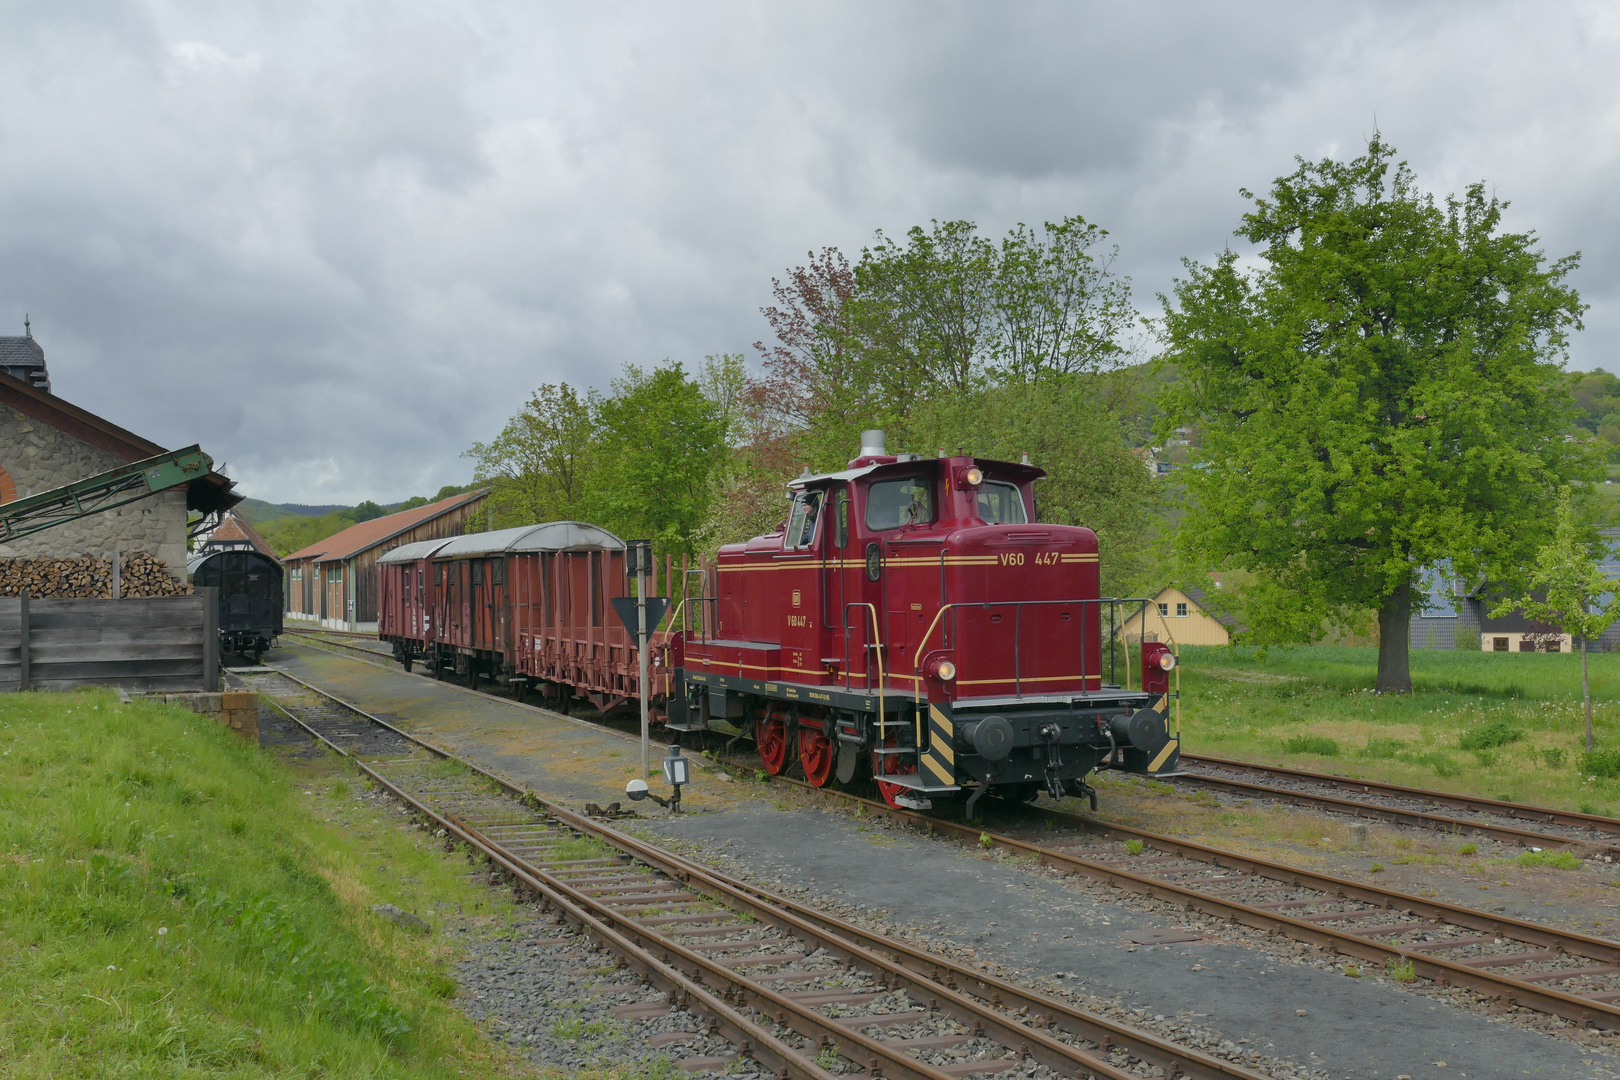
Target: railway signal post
(640, 614)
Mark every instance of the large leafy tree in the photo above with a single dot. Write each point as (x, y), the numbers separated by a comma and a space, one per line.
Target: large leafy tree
(659, 440)
(539, 465)
(941, 314)
(1381, 392)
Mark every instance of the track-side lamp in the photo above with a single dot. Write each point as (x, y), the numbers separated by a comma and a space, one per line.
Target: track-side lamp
(677, 773)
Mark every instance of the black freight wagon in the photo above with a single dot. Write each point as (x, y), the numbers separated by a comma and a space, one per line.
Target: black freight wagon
(250, 597)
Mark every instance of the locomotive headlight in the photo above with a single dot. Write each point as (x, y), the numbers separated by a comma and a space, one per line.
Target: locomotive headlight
(1167, 661)
(974, 477)
(945, 671)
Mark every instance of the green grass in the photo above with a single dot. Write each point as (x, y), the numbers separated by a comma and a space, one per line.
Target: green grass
(1494, 724)
(176, 903)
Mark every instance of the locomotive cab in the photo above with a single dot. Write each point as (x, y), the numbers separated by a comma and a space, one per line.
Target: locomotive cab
(913, 620)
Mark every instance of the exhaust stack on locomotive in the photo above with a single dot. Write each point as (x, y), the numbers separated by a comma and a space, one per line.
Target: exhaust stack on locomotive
(913, 621)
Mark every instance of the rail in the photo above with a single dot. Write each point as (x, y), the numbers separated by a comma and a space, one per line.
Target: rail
(752, 1010)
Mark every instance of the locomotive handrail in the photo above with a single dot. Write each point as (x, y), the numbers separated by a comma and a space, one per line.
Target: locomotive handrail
(877, 637)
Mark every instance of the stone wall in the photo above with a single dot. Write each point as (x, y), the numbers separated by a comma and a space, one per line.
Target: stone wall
(39, 457)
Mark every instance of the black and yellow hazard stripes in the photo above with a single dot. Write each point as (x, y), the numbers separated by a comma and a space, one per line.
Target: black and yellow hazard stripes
(938, 760)
(1169, 756)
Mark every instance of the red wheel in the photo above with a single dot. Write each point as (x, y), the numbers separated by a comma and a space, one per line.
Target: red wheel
(892, 765)
(816, 754)
(770, 737)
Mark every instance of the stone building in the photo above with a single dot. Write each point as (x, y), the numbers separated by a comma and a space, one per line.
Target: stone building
(46, 442)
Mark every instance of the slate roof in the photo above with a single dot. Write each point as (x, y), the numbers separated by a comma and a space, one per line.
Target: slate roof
(1201, 598)
(368, 534)
(23, 358)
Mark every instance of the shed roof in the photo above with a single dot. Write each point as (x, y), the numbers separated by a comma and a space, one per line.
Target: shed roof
(369, 534)
(237, 529)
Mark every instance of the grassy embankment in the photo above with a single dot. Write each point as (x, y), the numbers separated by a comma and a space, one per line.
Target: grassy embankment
(176, 903)
(1504, 725)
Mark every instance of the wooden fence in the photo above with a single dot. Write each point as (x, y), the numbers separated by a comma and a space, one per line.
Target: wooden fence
(149, 643)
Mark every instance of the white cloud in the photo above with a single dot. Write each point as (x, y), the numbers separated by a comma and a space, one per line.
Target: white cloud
(201, 56)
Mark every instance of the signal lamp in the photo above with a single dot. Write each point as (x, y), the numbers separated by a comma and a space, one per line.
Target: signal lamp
(945, 671)
(1167, 661)
(677, 773)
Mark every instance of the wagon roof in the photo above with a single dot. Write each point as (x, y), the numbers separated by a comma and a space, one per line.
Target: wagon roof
(201, 557)
(905, 462)
(551, 536)
(421, 549)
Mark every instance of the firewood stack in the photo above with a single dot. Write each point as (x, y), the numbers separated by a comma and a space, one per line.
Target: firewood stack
(87, 578)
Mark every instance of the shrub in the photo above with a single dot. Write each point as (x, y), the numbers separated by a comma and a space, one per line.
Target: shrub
(1486, 758)
(1382, 748)
(1491, 734)
(1601, 763)
(1554, 758)
(1313, 744)
(1558, 860)
(1133, 847)
(1440, 763)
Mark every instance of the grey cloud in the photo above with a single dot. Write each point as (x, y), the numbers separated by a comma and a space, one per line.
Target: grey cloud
(337, 242)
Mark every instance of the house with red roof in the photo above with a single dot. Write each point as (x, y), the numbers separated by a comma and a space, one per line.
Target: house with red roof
(334, 581)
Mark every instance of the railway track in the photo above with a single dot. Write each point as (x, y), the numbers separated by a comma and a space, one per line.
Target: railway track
(1530, 826)
(1516, 962)
(1512, 822)
(1512, 961)
(800, 992)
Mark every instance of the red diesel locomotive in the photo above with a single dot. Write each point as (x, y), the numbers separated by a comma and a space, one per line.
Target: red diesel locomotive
(913, 619)
(912, 622)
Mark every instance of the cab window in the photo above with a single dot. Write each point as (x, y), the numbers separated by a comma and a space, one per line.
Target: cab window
(801, 531)
(841, 519)
(1001, 504)
(891, 504)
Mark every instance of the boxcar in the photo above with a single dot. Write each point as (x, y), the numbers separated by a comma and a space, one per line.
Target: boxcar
(526, 607)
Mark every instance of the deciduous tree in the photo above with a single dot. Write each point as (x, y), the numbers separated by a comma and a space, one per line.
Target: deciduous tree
(1381, 392)
(1567, 590)
(659, 441)
(539, 466)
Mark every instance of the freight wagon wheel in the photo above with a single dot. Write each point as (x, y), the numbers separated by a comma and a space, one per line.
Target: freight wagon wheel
(771, 739)
(892, 765)
(816, 754)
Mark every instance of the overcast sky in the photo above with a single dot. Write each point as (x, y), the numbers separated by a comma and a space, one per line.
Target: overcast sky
(336, 242)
